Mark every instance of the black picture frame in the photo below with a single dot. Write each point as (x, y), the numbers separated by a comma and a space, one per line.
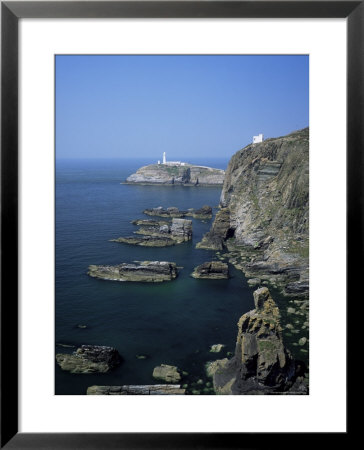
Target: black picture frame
(11, 12)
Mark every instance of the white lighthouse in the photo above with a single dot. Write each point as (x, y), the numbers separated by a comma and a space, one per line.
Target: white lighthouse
(164, 158)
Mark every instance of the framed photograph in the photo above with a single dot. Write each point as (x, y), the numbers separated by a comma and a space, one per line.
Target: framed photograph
(181, 211)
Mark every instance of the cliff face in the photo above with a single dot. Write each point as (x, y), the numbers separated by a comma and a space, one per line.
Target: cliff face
(261, 363)
(183, 175)
(264, 212)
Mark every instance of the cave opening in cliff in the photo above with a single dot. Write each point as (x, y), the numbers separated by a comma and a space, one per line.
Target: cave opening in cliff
(230, 233)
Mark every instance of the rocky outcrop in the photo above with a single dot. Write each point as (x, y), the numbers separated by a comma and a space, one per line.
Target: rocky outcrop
(261, 363)
(220, 231)
(185, 175)
(169, 213)
(181, 230)
(160, 234)
(89, 359)
(151, 389)
(146, 271)
(264, 212)
(216, 348)
(146, 241)
(150, 222)
(167, 373)
(203, 213)
(213, 270)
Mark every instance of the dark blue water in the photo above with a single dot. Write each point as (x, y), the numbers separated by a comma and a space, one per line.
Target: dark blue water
(173, 322)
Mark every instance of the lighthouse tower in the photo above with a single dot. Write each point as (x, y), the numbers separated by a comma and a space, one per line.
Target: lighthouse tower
(164, 158)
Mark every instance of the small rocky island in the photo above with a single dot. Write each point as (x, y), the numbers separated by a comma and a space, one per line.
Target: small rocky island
(146, 272)
(89, 359)
(167, 373)
(177, 173)
(159, 233)
(213, 270)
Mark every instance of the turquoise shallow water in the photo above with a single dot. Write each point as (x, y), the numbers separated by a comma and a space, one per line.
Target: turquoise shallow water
(174, 322)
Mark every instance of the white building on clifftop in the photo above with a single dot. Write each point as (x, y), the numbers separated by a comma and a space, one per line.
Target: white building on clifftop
(258, 139)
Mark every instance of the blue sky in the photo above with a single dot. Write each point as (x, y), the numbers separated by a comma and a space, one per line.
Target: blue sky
(188, 106)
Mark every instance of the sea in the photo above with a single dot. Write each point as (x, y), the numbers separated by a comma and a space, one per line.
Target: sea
(174, 322)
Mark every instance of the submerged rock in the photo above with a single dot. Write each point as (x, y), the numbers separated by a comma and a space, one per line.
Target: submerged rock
(261, 363)
(213, 270)
(89, 359)
(151, 389)
(146, 271)
(170, 374)
(302, 341)
(60, 344)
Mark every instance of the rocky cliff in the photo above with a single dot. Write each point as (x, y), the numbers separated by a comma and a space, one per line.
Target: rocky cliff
(188, 175)
(264, 212)
(261, 363)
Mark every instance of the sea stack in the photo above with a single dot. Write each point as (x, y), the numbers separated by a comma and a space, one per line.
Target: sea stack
(261, 363)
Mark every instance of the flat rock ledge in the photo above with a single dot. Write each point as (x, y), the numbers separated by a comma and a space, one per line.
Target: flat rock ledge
(160, 234)
(167, 373)
(146, 241)
(213, 270)
(202, 213)
(150, 222)
(89, 359)
(152, 389)
(145, 271)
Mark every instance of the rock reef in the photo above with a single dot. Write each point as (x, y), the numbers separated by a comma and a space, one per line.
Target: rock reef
(146, 271)
(263, 215)
(89, 359)
(160, 234)
(261, 363)
(151, 389)
(213, 270)
(184, 175)
(203, 213)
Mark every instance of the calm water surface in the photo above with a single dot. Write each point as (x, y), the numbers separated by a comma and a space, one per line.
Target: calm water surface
(173, 322)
